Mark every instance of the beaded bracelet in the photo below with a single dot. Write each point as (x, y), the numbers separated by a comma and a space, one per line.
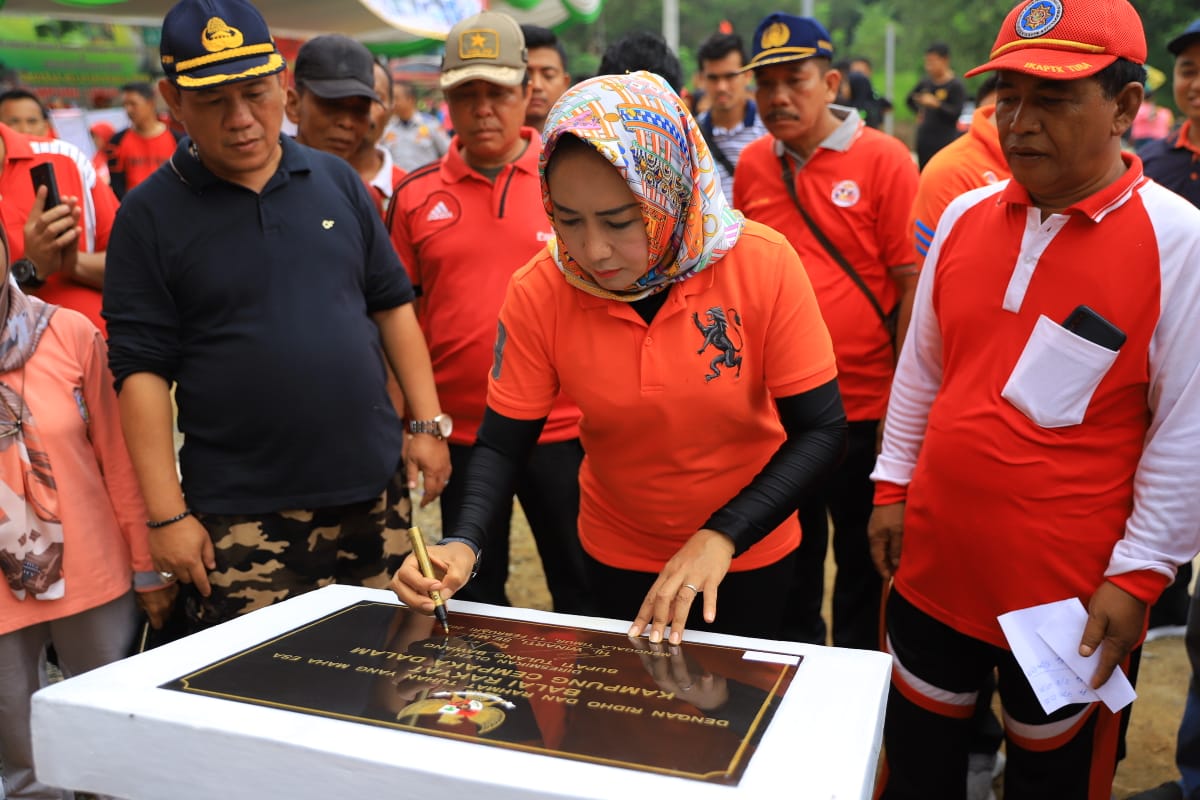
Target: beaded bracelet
(187, 512)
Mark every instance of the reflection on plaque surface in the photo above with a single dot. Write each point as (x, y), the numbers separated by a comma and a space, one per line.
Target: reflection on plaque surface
(695, 711)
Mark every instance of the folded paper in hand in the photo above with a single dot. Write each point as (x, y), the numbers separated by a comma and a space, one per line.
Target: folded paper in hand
(1045, 641)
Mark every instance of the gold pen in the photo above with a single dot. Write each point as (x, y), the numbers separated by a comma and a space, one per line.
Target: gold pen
(418, 548)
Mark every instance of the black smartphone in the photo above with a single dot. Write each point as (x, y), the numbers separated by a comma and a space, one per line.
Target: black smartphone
(1087, 324)
(43, 175)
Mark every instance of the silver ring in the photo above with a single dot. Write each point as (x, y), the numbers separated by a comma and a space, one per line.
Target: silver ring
(166, 574)
(693, 588)
(687, 688)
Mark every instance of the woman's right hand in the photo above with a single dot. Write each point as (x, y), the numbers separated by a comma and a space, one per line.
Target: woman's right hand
(452, 564)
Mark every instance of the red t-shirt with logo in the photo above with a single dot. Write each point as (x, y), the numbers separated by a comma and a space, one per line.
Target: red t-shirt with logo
(860, 198)
(133, 157)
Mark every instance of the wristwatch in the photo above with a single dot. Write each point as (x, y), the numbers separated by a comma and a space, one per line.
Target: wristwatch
(25, 273)
(440, 426)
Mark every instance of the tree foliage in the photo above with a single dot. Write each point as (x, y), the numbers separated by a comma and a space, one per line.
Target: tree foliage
(859, 27)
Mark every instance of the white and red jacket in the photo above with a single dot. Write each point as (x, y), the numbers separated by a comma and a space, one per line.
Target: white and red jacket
(1036, 464)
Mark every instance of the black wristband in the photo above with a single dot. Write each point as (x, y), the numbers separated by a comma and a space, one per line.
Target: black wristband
(152, 525)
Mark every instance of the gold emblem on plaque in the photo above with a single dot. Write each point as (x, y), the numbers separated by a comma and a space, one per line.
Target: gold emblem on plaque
(454, 708)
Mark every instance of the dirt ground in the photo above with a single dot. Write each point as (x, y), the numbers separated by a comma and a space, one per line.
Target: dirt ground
(1150, 758)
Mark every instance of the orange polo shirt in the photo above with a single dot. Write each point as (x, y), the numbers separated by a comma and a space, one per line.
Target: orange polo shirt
(461, 237)
(970, 161)
(666, 443)
(859, 191)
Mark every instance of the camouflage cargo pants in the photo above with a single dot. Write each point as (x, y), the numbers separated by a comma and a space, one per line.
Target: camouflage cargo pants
(265, 558)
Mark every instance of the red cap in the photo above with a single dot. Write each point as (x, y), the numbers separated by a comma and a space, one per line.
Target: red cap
(1067, 39)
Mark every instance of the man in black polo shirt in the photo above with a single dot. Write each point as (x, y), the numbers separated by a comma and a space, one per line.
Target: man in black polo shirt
(938, 100)
(254, 274)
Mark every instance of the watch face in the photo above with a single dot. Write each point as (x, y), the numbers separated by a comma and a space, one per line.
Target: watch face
(445, 425)
(23, 270)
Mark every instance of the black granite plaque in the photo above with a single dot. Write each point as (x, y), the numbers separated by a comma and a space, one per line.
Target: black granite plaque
(695, 711)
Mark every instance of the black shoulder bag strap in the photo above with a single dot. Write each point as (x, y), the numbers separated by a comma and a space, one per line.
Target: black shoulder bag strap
(888, 319)
(706, 130)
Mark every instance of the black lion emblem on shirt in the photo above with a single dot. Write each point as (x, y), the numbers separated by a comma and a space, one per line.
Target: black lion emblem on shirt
(716, 334)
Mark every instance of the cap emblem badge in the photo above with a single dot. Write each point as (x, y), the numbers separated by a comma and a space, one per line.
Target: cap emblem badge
(1038, 18)
(479, 43)
(776, 35)
(219, 35)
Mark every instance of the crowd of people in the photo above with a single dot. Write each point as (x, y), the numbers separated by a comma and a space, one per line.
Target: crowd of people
(699, 343)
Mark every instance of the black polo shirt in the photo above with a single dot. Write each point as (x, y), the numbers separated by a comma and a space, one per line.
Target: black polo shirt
(1174, 166)
(256, 306)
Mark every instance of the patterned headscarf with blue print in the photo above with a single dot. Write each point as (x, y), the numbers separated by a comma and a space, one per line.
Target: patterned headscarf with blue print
(641, 127)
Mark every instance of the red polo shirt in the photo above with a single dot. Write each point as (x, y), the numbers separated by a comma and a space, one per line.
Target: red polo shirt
(1035, 463)
(461, 237)
(859, 193)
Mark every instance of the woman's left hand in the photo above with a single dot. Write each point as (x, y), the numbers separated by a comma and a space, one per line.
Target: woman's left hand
(698, 568)
(157, 604)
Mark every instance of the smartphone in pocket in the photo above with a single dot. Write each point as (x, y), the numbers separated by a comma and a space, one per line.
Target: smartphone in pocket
(43, 175)
(1087, 324)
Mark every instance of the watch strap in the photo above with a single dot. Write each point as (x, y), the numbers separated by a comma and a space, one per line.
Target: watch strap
(423, 426)
(25, 272)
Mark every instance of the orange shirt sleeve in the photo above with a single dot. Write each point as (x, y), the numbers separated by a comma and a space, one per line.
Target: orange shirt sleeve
(523, 382)
(104, 430)
(799, 351)
(940, 183)
(893, 204)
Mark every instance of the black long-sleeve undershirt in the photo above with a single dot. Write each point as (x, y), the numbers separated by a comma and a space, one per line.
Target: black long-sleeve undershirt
(814, 421)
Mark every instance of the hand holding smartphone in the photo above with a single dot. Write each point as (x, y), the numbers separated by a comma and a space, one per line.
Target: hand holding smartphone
(43, 175)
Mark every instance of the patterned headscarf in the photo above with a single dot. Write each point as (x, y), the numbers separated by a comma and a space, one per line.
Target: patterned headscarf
(641, 127)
